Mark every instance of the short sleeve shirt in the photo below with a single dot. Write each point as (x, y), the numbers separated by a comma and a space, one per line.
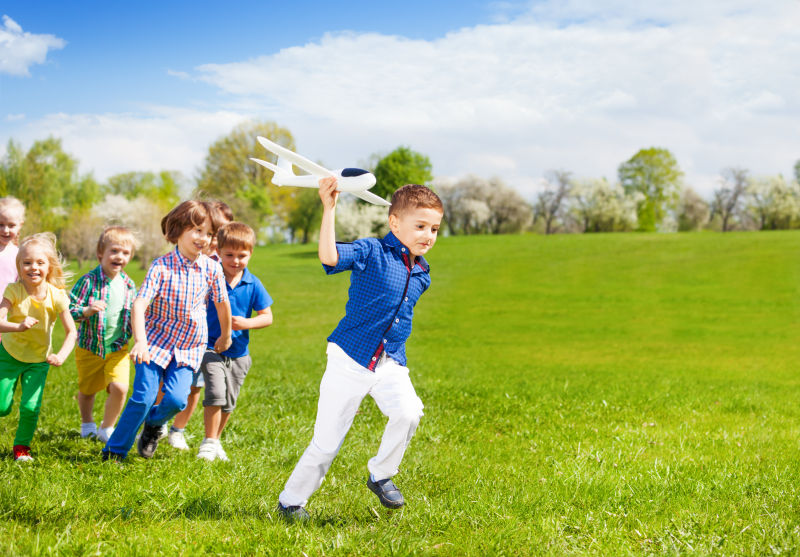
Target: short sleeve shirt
(384, 288)
(176, 290)
(247, 296)
(33, 345)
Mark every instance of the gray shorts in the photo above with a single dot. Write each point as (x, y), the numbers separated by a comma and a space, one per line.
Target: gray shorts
(224, 377)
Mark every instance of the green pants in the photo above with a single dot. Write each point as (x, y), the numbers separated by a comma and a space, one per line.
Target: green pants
(32, 377)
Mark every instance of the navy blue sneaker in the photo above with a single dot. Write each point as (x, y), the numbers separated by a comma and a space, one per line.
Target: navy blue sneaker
(387, 492)
(293, 513)
(148, 440)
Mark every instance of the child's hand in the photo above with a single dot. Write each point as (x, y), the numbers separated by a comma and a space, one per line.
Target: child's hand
(27, 323)
(140, 353)
(327, 192)
(222, 344)
(55, 360)
(95, 307)
(238, 323)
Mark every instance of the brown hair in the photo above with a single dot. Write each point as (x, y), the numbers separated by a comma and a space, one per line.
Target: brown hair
(186, 215)
(236, 235)
(115, 235)
(414, 196)
(47, 242)
(224, 210)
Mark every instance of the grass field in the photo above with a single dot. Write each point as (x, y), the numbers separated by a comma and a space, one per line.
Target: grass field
(593, 394)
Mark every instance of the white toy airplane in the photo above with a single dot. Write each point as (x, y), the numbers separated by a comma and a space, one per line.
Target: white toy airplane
(353, 180)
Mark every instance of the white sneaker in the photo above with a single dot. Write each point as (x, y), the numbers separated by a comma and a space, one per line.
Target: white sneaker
(208, 449)
(221, 454)
(104, 433)
(177, 440)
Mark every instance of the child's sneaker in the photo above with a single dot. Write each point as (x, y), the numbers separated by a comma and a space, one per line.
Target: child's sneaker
(388, 494)
(104, 433)
(22, 453)
(148, 441)
(88, 430)
(208, 449)
(293, 513)
(177, 440)
(221, 454)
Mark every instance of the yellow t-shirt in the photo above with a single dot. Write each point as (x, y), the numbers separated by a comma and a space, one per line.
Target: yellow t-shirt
(33, 345)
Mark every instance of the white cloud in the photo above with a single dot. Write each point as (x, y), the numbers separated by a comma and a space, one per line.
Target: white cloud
(566, 85)
(20, 50)
(162, 138)
(14, 117)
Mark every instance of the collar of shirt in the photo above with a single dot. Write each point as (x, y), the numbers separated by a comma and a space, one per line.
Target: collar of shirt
(247, 278)
(185, 261)
(391, 240)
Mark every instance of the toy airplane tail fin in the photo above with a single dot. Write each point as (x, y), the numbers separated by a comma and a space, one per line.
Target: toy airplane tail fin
(279, 173)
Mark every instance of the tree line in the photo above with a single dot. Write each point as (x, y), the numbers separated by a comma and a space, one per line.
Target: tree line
(648, 195)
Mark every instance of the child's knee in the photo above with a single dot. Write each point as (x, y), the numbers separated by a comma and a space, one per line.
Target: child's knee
(5, 409)
(117, 389)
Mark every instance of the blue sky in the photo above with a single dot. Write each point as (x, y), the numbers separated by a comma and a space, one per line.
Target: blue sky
(508, 89)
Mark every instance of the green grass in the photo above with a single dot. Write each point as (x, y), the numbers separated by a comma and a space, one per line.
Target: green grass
(593, 394)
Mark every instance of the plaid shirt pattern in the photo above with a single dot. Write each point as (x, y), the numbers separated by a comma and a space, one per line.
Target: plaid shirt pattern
(176, 290)
(91, 287)
(384, 288)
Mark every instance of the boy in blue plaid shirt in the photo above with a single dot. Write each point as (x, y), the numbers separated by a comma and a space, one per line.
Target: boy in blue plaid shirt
(366, 351)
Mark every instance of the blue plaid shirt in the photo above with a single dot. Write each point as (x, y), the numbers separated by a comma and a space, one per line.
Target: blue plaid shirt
(384, 287)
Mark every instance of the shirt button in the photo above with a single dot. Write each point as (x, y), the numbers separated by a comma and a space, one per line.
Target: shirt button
(374, 358)
(384, 341)
(403, 250)
(405, 299)
(397, 320)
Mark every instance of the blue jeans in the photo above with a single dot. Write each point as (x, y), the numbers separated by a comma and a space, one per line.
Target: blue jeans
(140, 409)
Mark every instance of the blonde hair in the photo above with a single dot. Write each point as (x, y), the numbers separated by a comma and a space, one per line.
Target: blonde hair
(12, 204)
(115, 235)
(56, 275)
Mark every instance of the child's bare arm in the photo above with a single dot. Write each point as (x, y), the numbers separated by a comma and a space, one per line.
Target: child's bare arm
(69, 339)
(327, 229)
(224, 314)
(7, 326)
(140, 352)
(262, 319)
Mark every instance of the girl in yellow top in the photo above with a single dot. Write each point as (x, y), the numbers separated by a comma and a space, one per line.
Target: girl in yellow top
(28, 312)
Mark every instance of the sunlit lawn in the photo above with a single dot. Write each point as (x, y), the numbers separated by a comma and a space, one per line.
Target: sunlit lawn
(603, 394)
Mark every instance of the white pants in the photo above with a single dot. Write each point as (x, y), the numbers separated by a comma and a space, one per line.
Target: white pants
(343, 387)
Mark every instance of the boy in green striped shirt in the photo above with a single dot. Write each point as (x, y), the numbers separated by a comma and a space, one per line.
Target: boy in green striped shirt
(100, 302)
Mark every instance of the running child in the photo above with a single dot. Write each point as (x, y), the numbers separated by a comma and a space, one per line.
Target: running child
(176, 437)
(169, 327)
(224, 372)
(12, 217)
(28, 313)
(100, 302)
(366, 351)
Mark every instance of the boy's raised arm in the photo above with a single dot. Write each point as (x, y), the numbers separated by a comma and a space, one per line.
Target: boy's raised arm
(327, 229)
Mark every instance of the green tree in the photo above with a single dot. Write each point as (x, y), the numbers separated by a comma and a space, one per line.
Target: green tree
(305, 214)
(653, 172)
(46, 180)
(400, 167)
(230, 176)
(162, 188)
(797, 172)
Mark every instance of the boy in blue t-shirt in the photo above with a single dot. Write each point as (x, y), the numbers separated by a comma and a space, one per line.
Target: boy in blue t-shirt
(224, 373)
(366, 351)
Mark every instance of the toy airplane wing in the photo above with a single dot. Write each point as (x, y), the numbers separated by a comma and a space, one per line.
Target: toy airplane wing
(371, 198)
(298, 160)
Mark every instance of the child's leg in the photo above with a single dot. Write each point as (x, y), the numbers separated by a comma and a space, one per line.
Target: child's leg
(177, 380)
(145, 389)
(32, 383)
(396, 398)
(182, 417)
(114, 402)
(344, 385)
(223, 421)
(10, 370)
(86, 407)
(116, 373)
